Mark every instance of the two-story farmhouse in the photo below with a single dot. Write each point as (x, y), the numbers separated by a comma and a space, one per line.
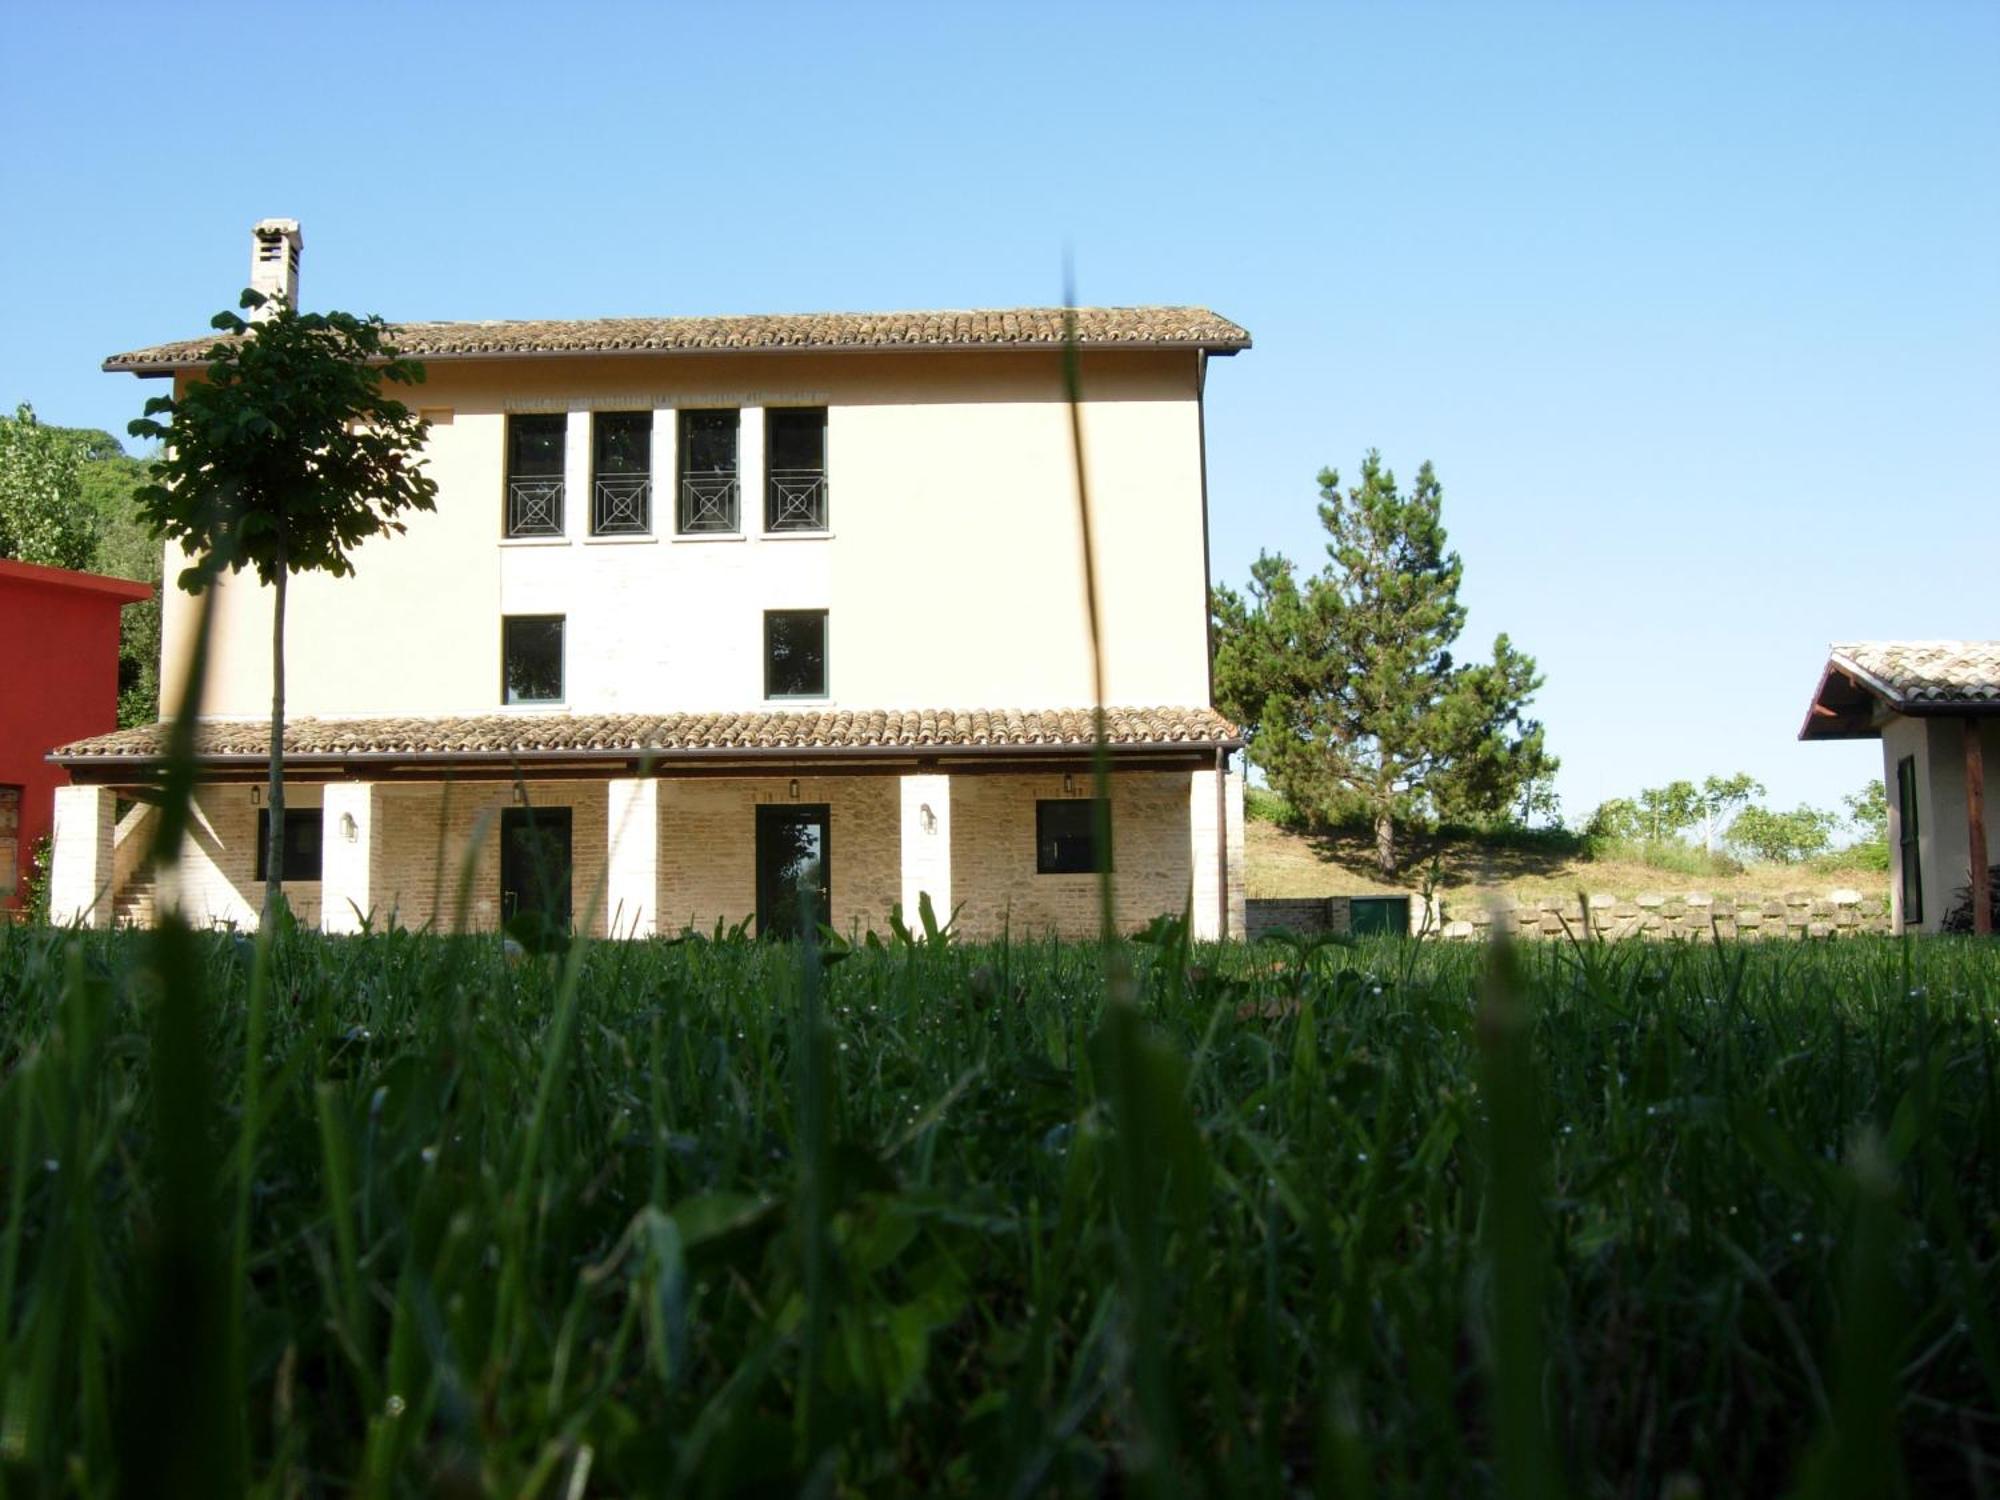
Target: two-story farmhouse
(711, 604)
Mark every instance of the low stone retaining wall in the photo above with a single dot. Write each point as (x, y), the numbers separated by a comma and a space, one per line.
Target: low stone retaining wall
(1688, 914)
(1682, 914)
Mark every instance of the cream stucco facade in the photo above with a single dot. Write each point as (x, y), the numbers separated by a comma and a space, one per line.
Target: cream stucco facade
(1942, 849)
(947, 562)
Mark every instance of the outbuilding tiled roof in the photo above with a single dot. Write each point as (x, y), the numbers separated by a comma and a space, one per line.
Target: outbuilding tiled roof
(1924, 673)
(629, 736)
(1010, 328)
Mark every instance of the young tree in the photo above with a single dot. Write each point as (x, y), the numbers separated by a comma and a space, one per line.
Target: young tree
(1719, 799)
(1347, 684)
(283, 455)
(1784, 838)
(43, 517)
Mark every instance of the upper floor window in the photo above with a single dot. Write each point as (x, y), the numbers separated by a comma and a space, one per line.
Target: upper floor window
(535, 473)
(795, 653)
(531, 654)
(621, 473)
(795, 455)
(302, 855)
(708, 499)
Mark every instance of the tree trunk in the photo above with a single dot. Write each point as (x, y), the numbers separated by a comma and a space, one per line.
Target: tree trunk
(274, 845)
(1385, 842)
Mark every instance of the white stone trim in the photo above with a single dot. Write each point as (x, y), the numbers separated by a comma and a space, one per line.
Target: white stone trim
(926, 845)
(80, 876)
(632, 865)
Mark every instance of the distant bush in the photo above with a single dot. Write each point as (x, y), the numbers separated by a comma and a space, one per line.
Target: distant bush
(1267, 806)
(1668, 855)
(1869, 854)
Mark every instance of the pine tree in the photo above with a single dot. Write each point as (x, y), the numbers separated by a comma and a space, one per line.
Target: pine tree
(1355, 705)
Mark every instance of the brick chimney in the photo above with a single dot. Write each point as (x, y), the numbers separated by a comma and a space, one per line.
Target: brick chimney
(274, 261)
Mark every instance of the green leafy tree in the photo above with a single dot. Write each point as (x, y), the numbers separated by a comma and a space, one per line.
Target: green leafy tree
(1868, 811)
(1667, 812)
(1616, 820)
(1785, 838)
(1355, 705)
(285, 455)
(1719, 800)
(43, 518)
(126, 548)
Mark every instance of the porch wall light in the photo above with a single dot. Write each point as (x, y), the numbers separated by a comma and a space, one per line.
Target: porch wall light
(348, 830)
(795, 788)
(928, 818)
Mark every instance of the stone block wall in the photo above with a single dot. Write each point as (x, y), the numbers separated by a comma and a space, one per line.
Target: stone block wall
(993, 855)
(1681, 914)
(708, 847)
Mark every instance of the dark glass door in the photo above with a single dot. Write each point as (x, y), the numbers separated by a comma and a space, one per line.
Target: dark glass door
(792, 850)
(534, 866)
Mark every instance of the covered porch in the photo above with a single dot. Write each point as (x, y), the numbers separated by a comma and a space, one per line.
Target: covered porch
(638, 828)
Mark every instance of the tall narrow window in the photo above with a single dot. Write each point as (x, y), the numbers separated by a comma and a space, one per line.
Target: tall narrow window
(535, 473)
(708, 471)
(531, 651)
(621, 473)
(795, 452)
(1906, 840)
(10, 841)
(795, 653)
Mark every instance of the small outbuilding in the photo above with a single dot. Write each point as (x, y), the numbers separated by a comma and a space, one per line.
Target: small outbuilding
(59, 633)
(1935, 706)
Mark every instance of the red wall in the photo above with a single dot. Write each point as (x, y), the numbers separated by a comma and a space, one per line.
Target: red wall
(58, 682)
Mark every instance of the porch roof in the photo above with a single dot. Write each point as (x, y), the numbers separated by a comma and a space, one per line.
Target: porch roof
(638, 739)
(1865, 679)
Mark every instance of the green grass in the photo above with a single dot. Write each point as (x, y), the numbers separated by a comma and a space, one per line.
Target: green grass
(659, 1218)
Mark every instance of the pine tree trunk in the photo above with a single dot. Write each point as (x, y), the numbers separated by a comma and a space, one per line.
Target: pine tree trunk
(1385, 842)
(274, 845)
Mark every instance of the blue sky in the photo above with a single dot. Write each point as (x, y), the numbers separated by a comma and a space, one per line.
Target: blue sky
(1696, 308)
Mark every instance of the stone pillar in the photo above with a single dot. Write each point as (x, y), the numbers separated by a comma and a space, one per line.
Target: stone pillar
(80, 875)
(926, 846)
(632, 859)
(750, 473)
(1215, 840)
(347, 887)
(577, 497)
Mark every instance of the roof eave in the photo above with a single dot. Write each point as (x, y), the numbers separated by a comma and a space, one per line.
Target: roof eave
(121, 364)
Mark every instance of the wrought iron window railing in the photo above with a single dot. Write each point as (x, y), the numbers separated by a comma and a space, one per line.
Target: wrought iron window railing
(708, 502)
(621, 505)
(795, 500)
(534, 507)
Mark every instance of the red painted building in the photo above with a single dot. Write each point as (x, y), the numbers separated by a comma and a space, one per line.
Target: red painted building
(58, 682)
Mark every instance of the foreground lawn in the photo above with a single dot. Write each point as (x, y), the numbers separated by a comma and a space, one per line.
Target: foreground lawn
(727, 1219)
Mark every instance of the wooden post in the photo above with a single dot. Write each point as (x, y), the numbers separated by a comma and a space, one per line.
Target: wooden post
(1975, 828)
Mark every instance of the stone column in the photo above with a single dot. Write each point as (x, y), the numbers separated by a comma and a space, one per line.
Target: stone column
(577, 497)
(632, 858)
(926, 846)
(347, 886)
(1215, 840)
(750, 472)
(80, 875)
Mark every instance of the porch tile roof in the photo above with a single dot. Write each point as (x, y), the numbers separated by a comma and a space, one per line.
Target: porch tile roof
(623, 736)
(1927, 673)
(1004, 328)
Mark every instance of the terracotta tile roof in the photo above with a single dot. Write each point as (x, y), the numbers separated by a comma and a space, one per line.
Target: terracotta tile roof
(625, 736)
(1012, 328)
(1924, 674)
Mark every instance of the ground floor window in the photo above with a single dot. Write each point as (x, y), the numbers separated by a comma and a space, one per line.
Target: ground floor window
(1906, 818)
(10, 841)
(1066, 836)
(794, 866)
(302, 843)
